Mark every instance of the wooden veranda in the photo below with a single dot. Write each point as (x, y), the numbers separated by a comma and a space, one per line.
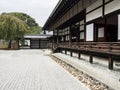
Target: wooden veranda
(110, 50)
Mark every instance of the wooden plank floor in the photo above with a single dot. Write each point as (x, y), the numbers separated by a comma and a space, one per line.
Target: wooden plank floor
(33, 70)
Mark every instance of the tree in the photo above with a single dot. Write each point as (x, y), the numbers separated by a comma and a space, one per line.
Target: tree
(12, 28)
(34, 27)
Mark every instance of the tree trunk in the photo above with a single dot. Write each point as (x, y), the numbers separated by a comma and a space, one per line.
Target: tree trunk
(9, 44)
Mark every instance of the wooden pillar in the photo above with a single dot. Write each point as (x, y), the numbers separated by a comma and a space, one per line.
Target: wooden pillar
(30, 44)
(71, 53)
(64, 38)
(65, 51)
(91, 59)
(110, 63)
(70, 38)
(79, 55)
(59, 50)
(53, 43)
(39, 43)
(77, 35)
(103, 8)
(57, 40)
(57, 37)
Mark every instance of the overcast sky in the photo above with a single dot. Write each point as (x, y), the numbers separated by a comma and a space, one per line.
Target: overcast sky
(38, 9)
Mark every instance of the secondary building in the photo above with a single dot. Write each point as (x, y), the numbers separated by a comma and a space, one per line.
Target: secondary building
(39, 41)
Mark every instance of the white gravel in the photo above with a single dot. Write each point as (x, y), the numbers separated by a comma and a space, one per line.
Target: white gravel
(34, 70)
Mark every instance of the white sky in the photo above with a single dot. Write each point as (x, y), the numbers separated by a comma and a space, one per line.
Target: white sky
(38, 9)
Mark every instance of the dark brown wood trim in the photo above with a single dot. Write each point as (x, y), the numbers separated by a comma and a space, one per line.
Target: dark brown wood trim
(103, 8)
(85, 28)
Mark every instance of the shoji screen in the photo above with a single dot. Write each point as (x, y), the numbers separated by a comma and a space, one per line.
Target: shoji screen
(89, 32)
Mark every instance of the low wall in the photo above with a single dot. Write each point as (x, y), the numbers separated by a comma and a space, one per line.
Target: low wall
(4, 45)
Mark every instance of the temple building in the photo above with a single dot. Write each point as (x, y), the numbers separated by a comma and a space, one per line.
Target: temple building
(90, 27)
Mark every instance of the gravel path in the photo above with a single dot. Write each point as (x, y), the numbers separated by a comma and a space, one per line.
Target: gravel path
(34, 70)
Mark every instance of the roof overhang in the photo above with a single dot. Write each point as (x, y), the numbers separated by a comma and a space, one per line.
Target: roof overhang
(43, 36)
(60, 8)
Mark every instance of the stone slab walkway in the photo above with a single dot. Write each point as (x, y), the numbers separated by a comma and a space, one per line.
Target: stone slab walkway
(101, 73)
(34, 70)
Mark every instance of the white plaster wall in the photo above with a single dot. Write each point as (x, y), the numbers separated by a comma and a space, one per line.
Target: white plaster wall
(63, 51)
(68, 52)
(118, 27)
(75, 54)
(101, 61)
(107, 0)
(97, 60)
(82, 22)
(82, 27)
(82, 35)
(85, 57)
(28, 42)
(93, 15)
(101, 32)
(113, 6)
(94, 5)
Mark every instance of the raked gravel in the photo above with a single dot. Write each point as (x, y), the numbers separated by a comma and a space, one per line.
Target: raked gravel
(34, 70)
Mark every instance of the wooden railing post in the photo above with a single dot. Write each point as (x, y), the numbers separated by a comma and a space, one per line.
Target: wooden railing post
(110, 47)
(91, 59)
(110, 62)
(71, 53)
(59, 50)
(79, 55)
(65, 51)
